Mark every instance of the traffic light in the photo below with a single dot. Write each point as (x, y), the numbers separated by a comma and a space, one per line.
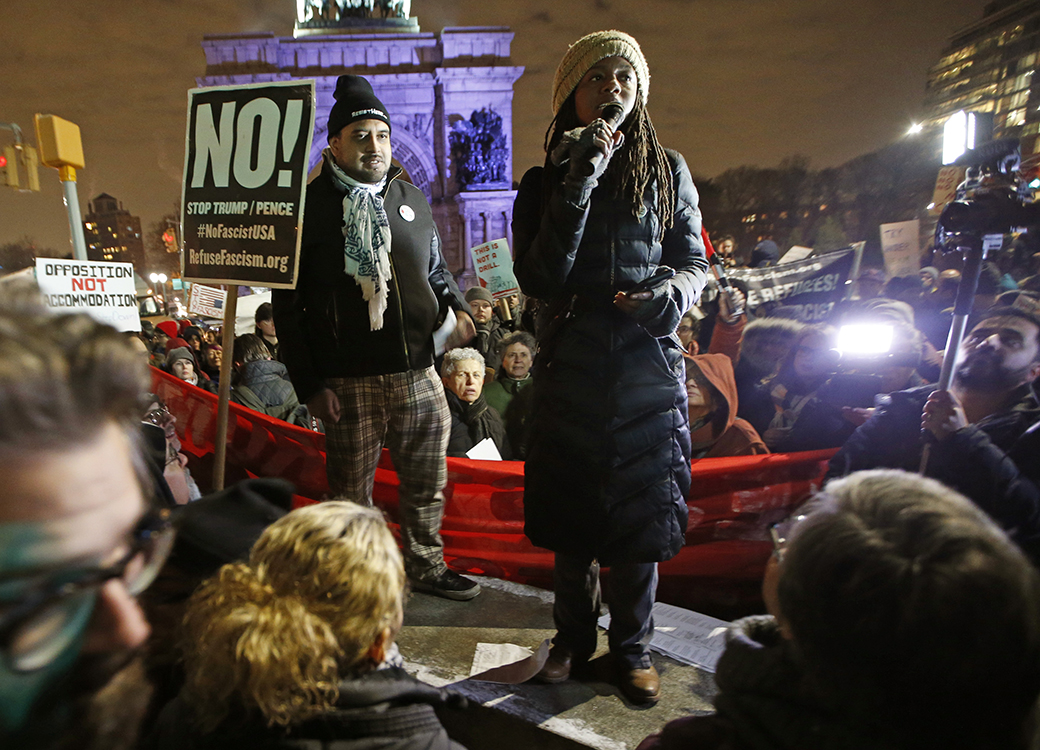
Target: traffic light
(10, 167)
(31, 159)
(169, 238)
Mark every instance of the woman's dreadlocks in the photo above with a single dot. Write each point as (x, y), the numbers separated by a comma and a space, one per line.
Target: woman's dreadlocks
(640, 162)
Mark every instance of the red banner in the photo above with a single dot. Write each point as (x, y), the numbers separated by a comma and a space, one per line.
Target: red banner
(732, 500)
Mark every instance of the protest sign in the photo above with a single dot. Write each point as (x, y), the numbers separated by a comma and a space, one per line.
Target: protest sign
(208, 301)
(901, 248)
(494, 266)
(245, 173)
(796, 252)
(813, 286)
(105, 291)
(945, 188)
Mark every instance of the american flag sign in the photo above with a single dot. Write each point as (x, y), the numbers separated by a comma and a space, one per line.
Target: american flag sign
(207, 300)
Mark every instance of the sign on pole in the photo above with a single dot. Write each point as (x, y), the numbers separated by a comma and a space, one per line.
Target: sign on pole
(813, 286)
(105, 291)
(246, 161)
(494, 265)
(901, 248)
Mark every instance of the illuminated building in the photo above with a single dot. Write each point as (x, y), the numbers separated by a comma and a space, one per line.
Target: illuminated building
(990, 67)
(112, 234)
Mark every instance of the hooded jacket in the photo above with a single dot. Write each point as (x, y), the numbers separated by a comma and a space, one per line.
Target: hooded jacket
(323, 324)
(263, 386)
(765, 702)
(725, 434)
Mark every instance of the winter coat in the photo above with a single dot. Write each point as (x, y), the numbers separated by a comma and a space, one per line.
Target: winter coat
(608, 465)
(473, 422)
(725, 434)
(264, 386)
(993, 462)
(384, 710)
(503, 389)
(512, 399)
(765, 702)
(323, 324)
(488, 339)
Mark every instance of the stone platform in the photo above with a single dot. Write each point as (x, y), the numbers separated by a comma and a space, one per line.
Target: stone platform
(438, 642)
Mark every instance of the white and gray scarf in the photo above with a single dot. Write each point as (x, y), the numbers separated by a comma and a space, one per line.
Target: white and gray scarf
(366, 239)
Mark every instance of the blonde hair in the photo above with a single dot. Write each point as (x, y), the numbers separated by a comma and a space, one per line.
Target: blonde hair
(277, 634)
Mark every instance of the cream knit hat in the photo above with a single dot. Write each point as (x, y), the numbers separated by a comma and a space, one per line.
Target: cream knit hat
(588, 51)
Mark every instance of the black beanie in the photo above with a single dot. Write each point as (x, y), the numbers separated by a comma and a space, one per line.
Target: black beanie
(355, 101)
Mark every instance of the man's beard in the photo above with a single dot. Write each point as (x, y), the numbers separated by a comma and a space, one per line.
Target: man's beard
(110, 718)
(982, 371)
(98, 706)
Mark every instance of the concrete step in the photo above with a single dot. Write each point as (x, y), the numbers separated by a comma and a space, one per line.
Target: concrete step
(438, 642)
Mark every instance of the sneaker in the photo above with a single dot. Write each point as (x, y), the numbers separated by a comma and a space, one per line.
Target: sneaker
(449, 585)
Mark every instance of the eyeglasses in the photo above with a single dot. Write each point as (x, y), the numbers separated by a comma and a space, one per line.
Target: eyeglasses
(781, 532)
(37, 629)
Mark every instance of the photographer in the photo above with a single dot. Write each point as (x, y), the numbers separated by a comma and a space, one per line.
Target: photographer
(985, 427)
(800, 420)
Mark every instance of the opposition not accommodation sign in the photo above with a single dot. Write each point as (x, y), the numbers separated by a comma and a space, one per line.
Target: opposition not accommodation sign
(245, 174)
(105, 291)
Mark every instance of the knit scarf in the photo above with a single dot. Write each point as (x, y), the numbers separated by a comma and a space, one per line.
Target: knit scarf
(366, 239)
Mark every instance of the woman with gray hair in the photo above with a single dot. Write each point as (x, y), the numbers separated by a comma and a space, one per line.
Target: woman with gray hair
(472, 420)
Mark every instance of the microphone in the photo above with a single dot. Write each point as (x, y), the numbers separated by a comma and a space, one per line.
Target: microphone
(612, 114)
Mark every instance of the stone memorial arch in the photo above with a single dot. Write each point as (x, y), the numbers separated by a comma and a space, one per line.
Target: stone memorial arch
(449, 94)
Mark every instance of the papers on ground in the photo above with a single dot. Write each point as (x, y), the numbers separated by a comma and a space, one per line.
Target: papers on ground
(686, 636)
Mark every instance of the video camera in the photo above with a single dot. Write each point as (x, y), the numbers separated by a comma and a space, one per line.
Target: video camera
(994, 198)
(864, 351)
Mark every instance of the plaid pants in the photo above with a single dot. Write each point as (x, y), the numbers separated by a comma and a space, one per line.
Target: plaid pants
(408, 413)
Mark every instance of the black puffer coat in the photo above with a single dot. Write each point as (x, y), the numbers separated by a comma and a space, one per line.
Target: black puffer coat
(608, 464)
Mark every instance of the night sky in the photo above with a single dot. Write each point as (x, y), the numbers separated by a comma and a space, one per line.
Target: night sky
(733, 81)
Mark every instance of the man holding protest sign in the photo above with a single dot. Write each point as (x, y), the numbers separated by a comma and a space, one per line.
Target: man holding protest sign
(357, 332)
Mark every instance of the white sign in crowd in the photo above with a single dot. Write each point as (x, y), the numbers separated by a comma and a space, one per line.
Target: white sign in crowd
(105, 291)
(494, 266)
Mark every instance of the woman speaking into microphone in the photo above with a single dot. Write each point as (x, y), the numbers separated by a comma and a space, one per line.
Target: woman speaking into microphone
(608, 237)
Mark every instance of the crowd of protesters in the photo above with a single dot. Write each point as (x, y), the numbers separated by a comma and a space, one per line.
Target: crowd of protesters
(901, 610)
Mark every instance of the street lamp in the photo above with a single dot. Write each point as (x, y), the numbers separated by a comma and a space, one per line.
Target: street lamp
(160, 278)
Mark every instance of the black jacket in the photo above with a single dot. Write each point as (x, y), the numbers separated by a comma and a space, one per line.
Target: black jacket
(323, 326)
(608, 465)
(383, 710)
(472, 423)
(995, 462)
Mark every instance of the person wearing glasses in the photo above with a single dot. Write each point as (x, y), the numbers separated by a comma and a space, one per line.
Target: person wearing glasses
(79, 535)
(901, 617)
